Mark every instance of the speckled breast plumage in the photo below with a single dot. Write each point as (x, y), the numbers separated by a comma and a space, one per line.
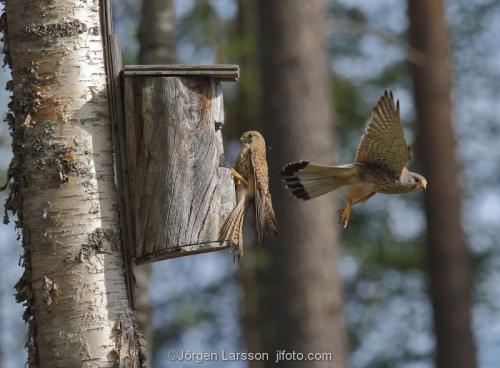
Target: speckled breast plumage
(244, 167)
(244, 163)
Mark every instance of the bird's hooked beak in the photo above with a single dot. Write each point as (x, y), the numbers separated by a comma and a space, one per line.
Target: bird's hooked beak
(244, 139)
(423, 184)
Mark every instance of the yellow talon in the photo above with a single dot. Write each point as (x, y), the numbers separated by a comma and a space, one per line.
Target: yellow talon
(344, 214)
(238, 178)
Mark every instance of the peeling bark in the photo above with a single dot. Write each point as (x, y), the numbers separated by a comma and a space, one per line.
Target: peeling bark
(129, 344)
(61, 188)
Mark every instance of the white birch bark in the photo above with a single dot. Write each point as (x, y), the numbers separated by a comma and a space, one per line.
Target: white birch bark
(61, 187)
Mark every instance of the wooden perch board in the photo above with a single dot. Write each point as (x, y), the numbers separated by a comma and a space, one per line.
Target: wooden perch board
(180, 193)
(217, 71)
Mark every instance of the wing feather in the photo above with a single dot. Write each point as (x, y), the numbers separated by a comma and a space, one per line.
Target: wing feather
(265, 218)
(383, 142)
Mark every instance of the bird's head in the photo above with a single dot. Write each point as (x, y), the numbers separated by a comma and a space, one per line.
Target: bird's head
(415, 182)
(252, 137)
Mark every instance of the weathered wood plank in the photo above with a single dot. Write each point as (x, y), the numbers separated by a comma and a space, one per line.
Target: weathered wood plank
(187, 250)
(116, 102)
(114, 68)
(218, 117)
(184, 67)
(217, 71)
(179, 194)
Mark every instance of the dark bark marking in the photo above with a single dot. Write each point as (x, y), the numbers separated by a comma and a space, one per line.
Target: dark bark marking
(49, 32)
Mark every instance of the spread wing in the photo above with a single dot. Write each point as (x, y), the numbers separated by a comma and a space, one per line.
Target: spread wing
(383, 142)
(264, 213)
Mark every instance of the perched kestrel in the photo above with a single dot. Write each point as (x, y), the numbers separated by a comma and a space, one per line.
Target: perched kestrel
(380, 166)
(251, 180)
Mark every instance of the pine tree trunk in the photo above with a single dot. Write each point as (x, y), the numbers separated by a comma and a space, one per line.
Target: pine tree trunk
(447, 256)
(156, 32)
(156, 42)
(299, 284)
(62, 190)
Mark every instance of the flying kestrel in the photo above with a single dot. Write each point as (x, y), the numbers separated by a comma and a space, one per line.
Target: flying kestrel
(251, 180)
(381, 165)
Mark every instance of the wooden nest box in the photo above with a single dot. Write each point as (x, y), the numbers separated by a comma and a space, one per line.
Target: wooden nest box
(177, 191)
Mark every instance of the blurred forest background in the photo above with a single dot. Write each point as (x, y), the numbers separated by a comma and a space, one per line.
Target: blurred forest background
(403, 259)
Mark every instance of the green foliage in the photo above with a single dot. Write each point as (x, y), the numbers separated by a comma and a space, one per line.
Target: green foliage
(383, 262)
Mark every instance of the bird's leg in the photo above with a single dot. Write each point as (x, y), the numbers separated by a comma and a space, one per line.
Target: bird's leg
(344, 214)
(239, 179)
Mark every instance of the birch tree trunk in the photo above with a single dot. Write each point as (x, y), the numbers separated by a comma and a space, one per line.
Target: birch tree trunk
(448, 261)
(62, 190)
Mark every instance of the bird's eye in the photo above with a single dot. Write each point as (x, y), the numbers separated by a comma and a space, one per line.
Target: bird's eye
(249, 136)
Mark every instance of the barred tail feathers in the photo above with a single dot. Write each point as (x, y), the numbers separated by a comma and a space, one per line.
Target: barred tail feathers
(265, 219)
(307, 180)
(232, 230)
